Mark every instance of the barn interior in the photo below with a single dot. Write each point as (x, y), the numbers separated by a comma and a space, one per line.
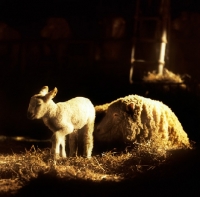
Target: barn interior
(102, 50)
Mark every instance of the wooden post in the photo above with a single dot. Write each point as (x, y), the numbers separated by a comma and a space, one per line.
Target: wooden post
(134, 41)
(165, 16)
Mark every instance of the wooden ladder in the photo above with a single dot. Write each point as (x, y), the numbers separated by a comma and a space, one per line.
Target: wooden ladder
(150, 35)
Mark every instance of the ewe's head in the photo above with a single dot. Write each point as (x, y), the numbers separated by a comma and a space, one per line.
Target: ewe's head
(39, 103)
(116, 121)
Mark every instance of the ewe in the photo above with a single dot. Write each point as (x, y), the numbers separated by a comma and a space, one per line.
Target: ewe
(135, 119)
(64, 118)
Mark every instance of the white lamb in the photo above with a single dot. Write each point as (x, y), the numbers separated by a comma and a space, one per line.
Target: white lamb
(64, 118)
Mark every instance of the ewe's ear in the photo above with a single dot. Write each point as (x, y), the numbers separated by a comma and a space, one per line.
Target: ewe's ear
(51, 94)
(101, 108)
(130, 107)
(44, 90)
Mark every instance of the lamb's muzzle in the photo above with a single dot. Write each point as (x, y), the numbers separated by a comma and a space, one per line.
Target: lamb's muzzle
(30, 115)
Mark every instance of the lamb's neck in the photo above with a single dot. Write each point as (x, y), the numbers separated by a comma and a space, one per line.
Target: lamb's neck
(51, 111)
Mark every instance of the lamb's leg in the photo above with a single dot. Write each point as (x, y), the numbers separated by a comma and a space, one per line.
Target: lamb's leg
(88, 139)
(62, 142)
(58, 140)
(73, 144)
(55, 146)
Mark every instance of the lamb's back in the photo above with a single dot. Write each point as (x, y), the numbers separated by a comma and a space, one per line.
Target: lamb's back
(76, 111)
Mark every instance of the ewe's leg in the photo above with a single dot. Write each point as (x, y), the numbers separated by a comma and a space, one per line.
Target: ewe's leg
(73, 144)
(88, 139)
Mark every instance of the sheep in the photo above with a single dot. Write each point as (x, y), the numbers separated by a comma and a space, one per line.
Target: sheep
(64, 118)
(135, 119)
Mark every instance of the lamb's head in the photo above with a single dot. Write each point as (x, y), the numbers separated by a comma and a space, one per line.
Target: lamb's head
(39, 103)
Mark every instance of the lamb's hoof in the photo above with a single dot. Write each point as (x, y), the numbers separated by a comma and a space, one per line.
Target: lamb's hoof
(63, 156)
(55, 156)
(87, 157)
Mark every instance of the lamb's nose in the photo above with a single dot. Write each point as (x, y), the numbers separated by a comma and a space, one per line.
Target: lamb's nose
(29, 115)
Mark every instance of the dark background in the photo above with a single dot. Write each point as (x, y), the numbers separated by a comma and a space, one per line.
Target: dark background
(80, 69)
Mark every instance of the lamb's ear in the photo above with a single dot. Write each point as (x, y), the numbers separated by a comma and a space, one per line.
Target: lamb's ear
(51, 94)
(130, 107)
(44, 90)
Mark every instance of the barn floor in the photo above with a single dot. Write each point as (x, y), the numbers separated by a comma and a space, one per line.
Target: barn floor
(178, 174)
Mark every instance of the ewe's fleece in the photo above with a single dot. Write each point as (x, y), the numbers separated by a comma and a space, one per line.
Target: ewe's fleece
(137, 119)
(64, 118)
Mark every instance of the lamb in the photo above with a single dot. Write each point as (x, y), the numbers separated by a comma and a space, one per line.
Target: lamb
(135, 119)
(64, 118)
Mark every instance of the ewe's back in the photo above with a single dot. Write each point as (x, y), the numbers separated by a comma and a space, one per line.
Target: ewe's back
(159, 120)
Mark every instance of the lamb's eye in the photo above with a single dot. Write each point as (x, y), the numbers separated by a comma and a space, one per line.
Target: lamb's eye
(38, 104)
